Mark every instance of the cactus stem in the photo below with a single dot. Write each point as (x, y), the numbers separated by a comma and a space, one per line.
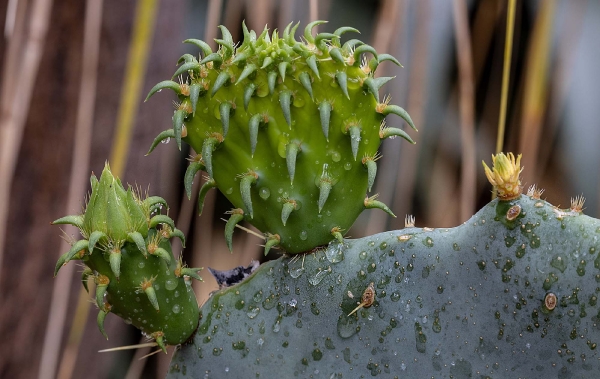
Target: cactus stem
(305, 80)
(220, 81)
(164, 135)
(102, 282)
(101, 317)
(209, 145)
(190, 173)
(246, 181)
(272, 241)
(248, 93)
(325, 115)
(291, 152)
(288, 207)
(146, 286)
(271, 81)
(325, 184)
(372, 202)
(387, 132)
(115, 261)
(336, 232)
(138, 239)
(225, 109)
(248, 70)
(237, 215)
(208, 184)
(78, 247)
(253, 124)
(285, 100)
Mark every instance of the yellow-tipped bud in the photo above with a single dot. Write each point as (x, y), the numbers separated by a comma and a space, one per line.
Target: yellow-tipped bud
(504, 175)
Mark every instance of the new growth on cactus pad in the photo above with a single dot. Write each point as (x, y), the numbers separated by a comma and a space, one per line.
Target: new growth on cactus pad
(288, 130)
(126, 250)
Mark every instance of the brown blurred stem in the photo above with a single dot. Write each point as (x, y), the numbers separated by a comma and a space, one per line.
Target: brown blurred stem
(466, 105)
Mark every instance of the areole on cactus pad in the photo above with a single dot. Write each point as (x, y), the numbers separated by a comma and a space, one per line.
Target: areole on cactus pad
(289, 131)
(126, 249)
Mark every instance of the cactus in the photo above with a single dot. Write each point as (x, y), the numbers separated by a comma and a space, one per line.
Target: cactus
(287, 130)
(510, 293)
(126, 249)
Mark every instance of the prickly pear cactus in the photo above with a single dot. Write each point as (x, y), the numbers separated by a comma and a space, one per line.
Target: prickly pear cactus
(287, 130)
(126, 250)
(511, 293)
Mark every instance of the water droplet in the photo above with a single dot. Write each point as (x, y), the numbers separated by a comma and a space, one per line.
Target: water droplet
(166, 140)
(363, 255)
(264, 193)
(229, 190)
(176, 308)
(335, 254)
(171, 284)
(335, 156)
(252, 312)
(303, 235)
(347, 166)
(296, 272)
(347, 326)
(141, 265)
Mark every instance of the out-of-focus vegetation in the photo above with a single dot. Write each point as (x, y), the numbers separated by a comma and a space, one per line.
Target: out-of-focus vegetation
(75, 73)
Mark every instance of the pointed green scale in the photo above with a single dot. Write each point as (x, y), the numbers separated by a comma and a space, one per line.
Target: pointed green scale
(291, 152)
(288, 207)
(225, 110)
(208, 185)
(310, 86)
(248, 93)
(324, 116)
(190, 174)
(272, 241)
(237, 215)
(304, 78)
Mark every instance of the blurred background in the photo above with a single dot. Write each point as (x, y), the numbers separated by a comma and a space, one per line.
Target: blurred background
(74, 75)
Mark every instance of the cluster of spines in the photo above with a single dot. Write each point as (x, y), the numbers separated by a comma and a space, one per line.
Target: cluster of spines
(274, 54)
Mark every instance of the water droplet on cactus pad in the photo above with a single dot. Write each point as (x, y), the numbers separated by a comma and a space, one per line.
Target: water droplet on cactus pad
(171, 284)
(166, 140)
(335, 156)
(141, 265)
(264, 193)
(347, 166)
(303, 235)
(176, 308)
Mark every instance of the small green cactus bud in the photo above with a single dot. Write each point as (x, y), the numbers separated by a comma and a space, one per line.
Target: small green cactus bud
(127, 252)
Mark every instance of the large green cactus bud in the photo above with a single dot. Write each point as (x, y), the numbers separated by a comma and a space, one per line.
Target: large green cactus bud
(287, 130)
(126, 249)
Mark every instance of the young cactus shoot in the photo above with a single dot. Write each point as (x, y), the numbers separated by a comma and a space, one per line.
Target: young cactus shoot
(288, 130)
(126, 249)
